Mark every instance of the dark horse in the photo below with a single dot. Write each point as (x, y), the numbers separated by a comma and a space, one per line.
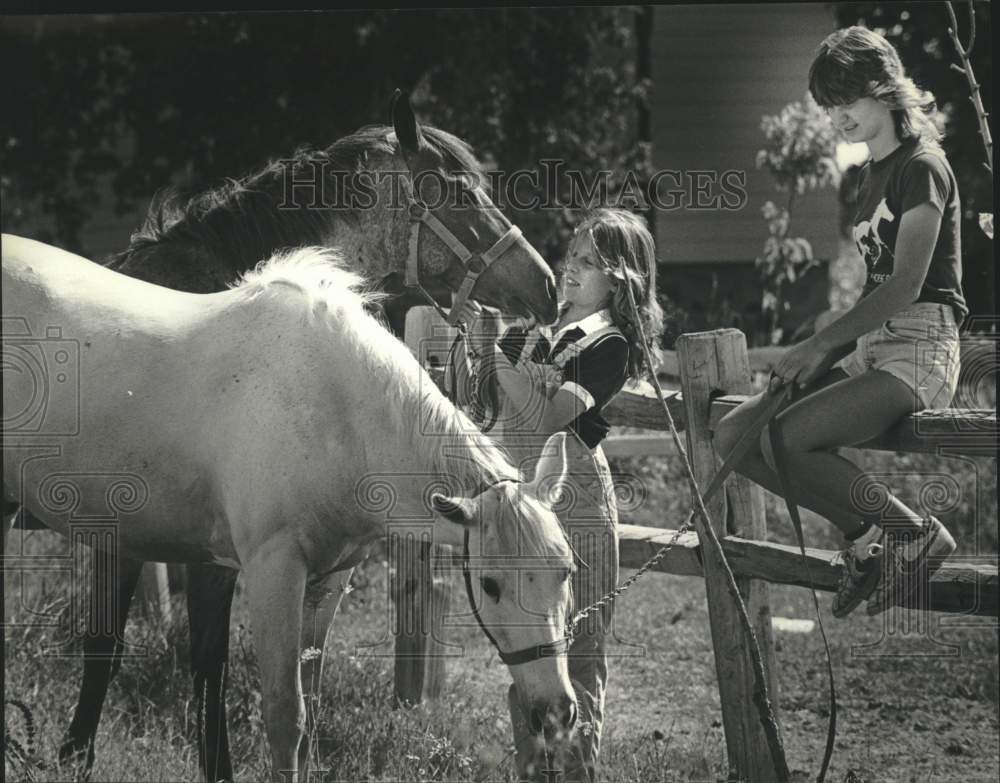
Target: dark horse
(358, 196)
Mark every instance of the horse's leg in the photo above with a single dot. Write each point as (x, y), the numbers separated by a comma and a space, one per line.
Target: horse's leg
(209, 601)
(275, 580)
(323, 598)
(102, 656)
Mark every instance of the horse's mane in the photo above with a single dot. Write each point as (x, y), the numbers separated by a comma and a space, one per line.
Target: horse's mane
(317, 272)
(337, 299)
(240, 221)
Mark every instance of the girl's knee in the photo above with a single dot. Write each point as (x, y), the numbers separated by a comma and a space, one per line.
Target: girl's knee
(793, 447)
(726, 433)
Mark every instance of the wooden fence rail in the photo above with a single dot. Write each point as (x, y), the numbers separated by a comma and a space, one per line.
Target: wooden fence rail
(946, 431)
(960, 587)
(714, 369)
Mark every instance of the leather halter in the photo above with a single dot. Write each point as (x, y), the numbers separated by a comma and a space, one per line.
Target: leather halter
(475, 263)
(526, 655)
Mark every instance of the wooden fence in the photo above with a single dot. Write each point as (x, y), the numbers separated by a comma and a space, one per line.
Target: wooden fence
(715, 375)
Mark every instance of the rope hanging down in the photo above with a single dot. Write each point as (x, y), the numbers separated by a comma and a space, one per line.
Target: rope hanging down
(698, 519)
(706, 534)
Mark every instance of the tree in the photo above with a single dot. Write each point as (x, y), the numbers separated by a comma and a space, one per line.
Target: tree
(800, 154)
(128, 104)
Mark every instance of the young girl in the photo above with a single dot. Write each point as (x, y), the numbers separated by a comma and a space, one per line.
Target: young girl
(560, 379)
(896, 351)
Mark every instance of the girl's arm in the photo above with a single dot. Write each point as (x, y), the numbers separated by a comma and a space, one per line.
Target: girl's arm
(918, 232)
(526, 395)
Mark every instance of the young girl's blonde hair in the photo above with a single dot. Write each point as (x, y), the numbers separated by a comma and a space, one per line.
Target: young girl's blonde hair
(856, 62)
(626, 248)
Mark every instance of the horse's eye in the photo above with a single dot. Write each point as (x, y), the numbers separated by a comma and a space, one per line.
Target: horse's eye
(491, 588)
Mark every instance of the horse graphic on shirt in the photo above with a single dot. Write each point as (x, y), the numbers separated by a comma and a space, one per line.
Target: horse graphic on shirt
(867, 238)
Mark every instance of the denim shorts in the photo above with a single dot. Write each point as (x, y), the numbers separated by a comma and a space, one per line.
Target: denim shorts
(919, 345)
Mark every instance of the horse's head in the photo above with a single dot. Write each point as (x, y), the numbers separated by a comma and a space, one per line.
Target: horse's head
(455, 233)
(518, 569)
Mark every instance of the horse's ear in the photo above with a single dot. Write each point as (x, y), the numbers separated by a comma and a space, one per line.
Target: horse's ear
(455, 509)
(404, 122)
(455, 518)
(550, 473)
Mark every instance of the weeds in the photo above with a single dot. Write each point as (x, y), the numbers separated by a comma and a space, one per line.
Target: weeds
(661, 705)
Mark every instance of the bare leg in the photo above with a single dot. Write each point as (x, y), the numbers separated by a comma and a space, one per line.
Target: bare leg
(753, 466)
(841, 412)
(209, 599)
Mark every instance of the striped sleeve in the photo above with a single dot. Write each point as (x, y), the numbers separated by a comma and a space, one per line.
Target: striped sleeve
(597, 373)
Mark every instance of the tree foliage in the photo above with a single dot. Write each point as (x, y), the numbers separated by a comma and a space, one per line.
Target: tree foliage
(799, 152)
(128, 104)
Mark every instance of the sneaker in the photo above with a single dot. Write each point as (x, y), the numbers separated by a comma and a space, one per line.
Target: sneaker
(905, 571)
(857, 580)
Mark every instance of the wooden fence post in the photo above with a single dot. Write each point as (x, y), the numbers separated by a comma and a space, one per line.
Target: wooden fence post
(710, 363)
(421, 589)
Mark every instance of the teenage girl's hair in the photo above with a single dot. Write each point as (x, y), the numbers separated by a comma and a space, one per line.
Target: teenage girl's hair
(625, 245)
(855, 63)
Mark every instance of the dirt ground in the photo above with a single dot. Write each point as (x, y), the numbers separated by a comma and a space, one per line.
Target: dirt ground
(915, 704)
(908, 710)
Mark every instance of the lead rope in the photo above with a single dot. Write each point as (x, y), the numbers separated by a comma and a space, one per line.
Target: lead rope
(781, 458)
(707, 535)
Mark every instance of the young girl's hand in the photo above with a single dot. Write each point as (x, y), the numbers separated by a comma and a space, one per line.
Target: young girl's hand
(471, 310)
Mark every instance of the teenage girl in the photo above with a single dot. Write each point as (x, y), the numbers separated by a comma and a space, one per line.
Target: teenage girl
(896, 351)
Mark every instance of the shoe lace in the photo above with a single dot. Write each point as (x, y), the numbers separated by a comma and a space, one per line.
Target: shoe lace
(840, 557)
(848, 560)
(890, 568)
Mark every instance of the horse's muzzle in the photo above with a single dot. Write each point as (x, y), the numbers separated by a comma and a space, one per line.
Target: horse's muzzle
(552, 719)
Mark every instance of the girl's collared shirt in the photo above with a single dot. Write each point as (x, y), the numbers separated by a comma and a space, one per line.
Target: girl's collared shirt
(589, 358)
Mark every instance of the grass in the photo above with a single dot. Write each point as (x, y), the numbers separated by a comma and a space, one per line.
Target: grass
(921, 708)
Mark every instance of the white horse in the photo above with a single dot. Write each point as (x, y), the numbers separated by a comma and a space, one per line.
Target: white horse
(244, 427)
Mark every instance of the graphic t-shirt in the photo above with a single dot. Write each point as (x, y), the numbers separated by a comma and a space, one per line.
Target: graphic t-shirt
(912, 174)
(592, 356)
